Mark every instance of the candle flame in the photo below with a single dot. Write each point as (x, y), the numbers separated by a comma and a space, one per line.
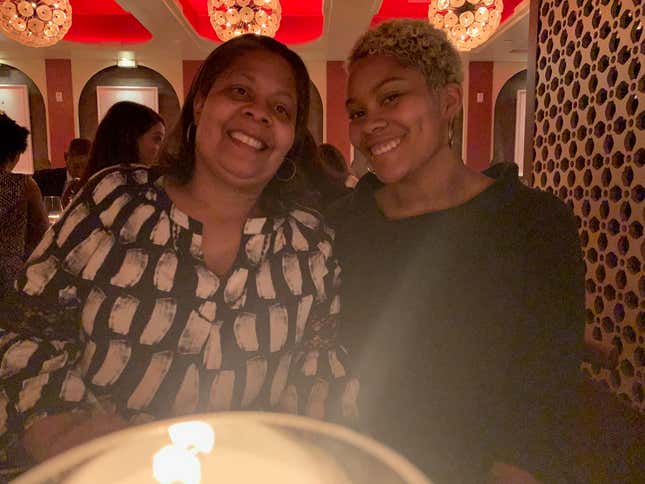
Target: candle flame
(178, 463)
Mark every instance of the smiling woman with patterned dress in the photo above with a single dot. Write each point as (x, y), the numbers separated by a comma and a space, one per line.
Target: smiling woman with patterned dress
(463, 291)
(202, 285)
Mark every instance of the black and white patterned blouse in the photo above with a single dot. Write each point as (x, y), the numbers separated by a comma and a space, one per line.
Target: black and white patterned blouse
(116, 308)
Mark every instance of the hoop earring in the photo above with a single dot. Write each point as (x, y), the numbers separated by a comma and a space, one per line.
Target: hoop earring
(451, 132)
(191, 132)
(287, 171)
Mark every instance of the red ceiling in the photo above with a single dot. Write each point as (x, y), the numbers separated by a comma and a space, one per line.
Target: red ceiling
(302, 20)
(95, 21)
(419, 9)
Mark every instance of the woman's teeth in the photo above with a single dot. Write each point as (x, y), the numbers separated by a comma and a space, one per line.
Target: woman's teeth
(383, 148)
(248, 140)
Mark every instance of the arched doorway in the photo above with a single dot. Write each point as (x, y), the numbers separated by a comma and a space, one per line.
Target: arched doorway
(10, 75)
(118, 76)
(505, 119)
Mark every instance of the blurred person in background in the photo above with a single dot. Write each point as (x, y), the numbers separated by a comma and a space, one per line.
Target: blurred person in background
(327, 176)
(76, 158)
(129, 133)
(334, 164)
(54, 182)
(23, 219)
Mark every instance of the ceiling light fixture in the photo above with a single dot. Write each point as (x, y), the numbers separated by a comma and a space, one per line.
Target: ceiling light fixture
(468, 23)
(35, 23)
(231, 18)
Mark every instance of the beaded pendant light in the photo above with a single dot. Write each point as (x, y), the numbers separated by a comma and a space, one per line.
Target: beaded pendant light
(231, 18)
(35, 23)
(468, 23)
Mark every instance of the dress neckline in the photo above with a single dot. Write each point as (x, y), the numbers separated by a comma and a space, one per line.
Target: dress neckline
(252, 225)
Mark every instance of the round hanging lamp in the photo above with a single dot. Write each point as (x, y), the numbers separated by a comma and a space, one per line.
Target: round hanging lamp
(231, 18)
(35, 23)
(468, 23)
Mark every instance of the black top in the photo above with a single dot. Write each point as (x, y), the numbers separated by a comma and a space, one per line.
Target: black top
(14, 216)
(465, 327)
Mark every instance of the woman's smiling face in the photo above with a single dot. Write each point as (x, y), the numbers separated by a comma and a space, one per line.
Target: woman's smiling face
(246, 123)
(396, 121)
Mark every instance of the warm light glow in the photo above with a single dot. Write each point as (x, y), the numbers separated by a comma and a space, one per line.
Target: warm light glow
(35, 24)
(468, 23)
(231, 18)
(126, 58)
(194, 435)
(178, 463)
(175, 465)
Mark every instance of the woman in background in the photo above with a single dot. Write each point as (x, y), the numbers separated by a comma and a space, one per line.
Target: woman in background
(334, 163)
(129, 133)
(204, 284)
(23, 219)
(323, 179)
(463, 291)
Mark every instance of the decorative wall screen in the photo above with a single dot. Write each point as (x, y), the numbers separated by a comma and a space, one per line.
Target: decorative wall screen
(589, 149)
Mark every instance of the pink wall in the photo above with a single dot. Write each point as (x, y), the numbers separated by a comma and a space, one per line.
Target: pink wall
(480, 114)
(60, 105)
(337, 121)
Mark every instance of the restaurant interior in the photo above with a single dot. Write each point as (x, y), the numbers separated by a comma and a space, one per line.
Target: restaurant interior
(557, 88)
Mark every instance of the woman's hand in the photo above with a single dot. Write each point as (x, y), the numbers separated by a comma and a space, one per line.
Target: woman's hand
(57, 433)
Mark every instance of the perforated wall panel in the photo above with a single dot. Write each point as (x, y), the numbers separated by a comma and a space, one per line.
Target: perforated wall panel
(589, 149)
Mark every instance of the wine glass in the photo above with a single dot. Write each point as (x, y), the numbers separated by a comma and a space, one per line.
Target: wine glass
(54, 208)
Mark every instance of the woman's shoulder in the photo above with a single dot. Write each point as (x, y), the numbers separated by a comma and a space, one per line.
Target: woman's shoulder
(542, 207)
(115, 180)
(10, 180)
(536, 215)
(13, 190)
(528, 202)
(123, 175)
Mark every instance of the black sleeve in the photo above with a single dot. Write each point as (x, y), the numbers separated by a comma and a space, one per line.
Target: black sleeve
(546, 373)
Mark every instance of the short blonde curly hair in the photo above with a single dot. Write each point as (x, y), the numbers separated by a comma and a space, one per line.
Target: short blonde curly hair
(415, 44)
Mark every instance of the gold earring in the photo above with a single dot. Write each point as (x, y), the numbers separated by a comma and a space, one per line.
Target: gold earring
(191, 132)
(451, 132)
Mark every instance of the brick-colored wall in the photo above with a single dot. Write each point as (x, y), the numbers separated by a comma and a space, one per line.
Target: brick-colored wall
(60, 104)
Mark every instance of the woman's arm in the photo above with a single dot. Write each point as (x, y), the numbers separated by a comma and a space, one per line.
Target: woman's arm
(37, 222)
(41, 340)
(320, 383)
(546, 375)
(54, 434)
